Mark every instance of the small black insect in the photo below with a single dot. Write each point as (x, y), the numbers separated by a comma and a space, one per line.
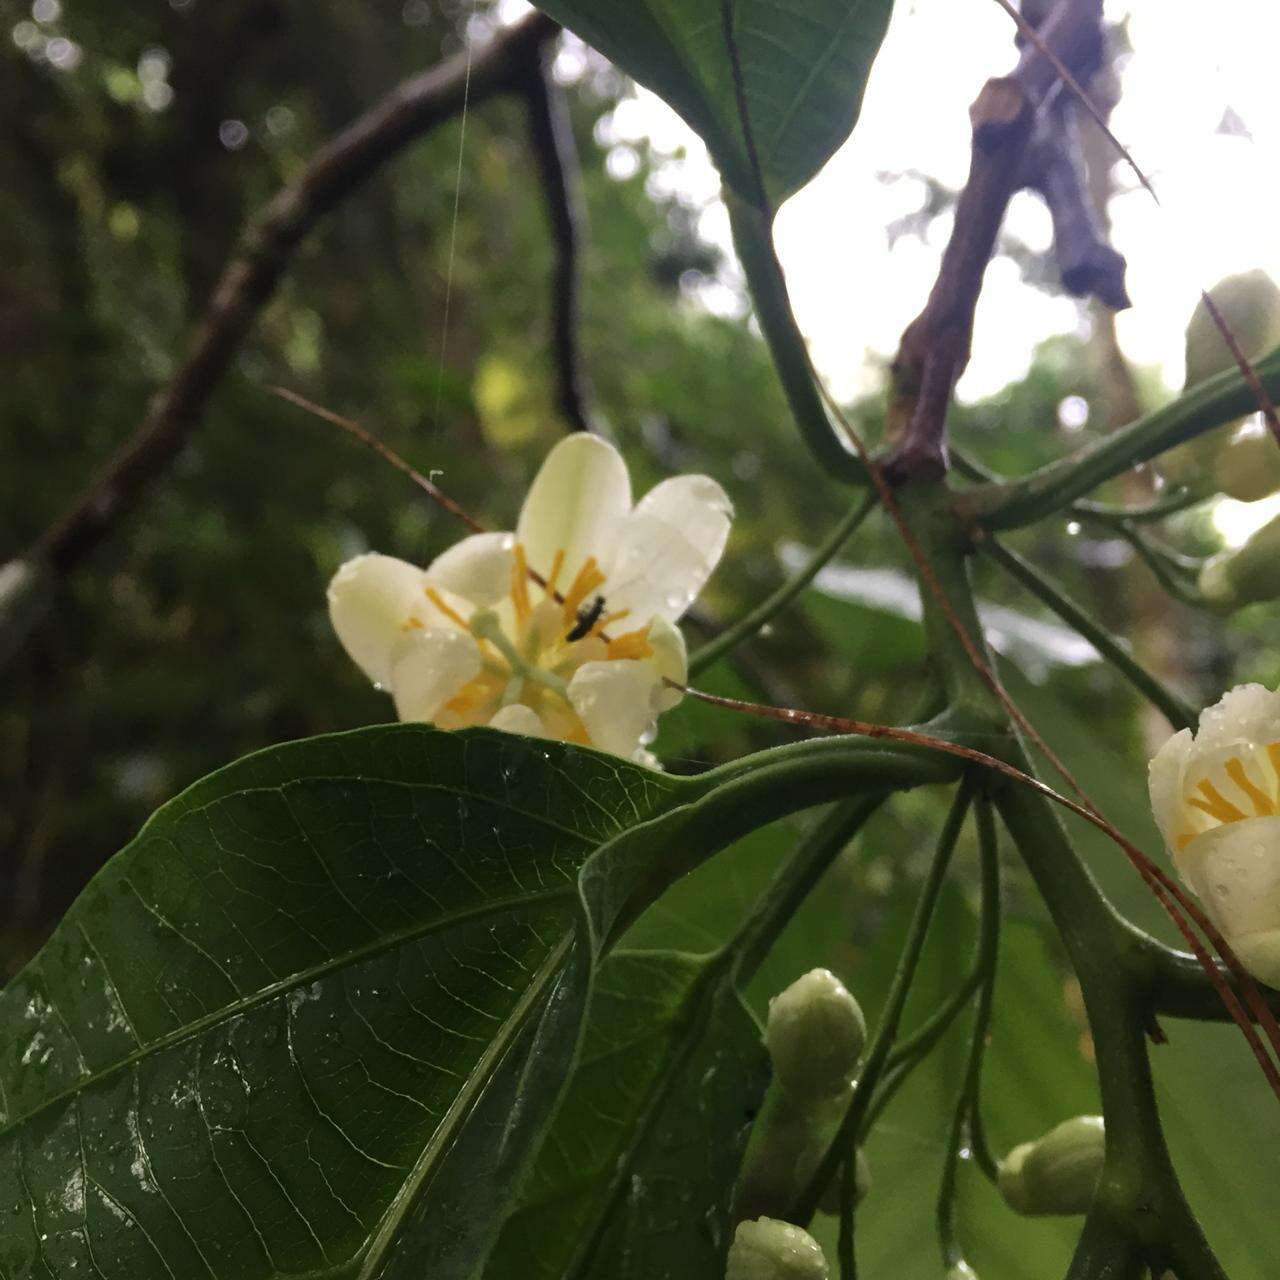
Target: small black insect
(587, 618)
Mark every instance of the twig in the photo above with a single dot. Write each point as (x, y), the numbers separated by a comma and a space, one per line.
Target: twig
(935, 346)
(406, 113)
(1088, 264)
(554, 151)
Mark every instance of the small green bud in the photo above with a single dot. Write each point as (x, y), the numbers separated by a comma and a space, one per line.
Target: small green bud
(1247, 468)
(1055, 1174)
(1250, 304)
(771, 1250)
(815, 1034)
(1244, 575)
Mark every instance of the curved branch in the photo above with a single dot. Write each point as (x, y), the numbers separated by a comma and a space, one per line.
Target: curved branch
(249, 279)
(556, 156)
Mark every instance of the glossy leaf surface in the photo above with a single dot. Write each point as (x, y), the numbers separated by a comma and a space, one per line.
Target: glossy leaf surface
(312, 1018)
(636, 1177)
(804, 66)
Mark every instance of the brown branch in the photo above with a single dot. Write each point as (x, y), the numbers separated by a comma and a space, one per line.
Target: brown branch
(935, 346)
(249, 279)
(1088, 264)
(556, 156)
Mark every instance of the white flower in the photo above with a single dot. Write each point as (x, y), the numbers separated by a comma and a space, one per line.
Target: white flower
(563, 629)
(1216, 797)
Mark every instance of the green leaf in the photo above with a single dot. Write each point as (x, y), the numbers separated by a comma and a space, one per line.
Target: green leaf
(804, 67)
(636, 1177)
(312, 1019)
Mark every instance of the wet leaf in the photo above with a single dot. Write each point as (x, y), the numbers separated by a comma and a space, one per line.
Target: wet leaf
(804, 68)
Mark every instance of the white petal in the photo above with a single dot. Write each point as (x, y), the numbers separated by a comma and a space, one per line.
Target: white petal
(478, 568)
(429, 667)
(371, 599)
(670, 659)
(576, 502)
(667, 547)
(517, 718)
(1248, 713)
(1164, 781)
(614, 700)
(1234, 869)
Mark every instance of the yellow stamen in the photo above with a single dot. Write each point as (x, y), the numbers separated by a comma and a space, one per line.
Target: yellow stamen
(520, 583)
(1215, 804)
(1263, 805)
(447, 609)
(630, 644)
(1185, 840)
(588, 579)
(553, 577)
(411, 625)
(1273, 754)
(598, 629)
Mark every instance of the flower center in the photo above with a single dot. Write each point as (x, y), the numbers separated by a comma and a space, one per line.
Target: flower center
(531, 649)
(1244, 784)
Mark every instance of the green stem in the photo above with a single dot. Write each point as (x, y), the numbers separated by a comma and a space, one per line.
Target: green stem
(971, 1080)
(778, 600)
(1178, 713)
(1175, 983)
(1052, 487)
(753, 239)
(1105, 512)
(887, 1029)
(988, 963)
(1138, 1210)
(1172, 575)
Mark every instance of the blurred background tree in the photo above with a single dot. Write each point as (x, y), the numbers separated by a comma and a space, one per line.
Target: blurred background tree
(134, 142)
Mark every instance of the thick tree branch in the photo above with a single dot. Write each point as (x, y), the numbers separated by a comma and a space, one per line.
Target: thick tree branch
(935, 347)
(249, 279)
(556, 155)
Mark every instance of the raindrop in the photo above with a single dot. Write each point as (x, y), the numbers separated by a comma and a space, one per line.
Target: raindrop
(1073, 528)
(233, 134)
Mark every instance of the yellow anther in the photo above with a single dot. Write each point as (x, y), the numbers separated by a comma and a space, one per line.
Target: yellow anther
(520, 583)
(1263, 805)
(554, 576)
(411, 625)
(1215, 804)
(630, 644)
(587, 580)
(615, 616)
(447, 609)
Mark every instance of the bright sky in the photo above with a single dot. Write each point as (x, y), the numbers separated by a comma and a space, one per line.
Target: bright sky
(853, 294)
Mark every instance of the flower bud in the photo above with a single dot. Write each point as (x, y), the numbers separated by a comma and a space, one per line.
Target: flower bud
(771, 1250)
(1056, 1174)
(1247, 468)
(815, 1034)
(1250, 304)
(1245, 575)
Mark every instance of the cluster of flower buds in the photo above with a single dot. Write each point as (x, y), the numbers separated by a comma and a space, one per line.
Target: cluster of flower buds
(1239, 458)
(768, 1249)
(815, 1035)
(1058, 1173)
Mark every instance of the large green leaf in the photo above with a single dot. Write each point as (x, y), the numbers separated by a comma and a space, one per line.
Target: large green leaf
(804, 68)
(311, 1020)
(635, 1179)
